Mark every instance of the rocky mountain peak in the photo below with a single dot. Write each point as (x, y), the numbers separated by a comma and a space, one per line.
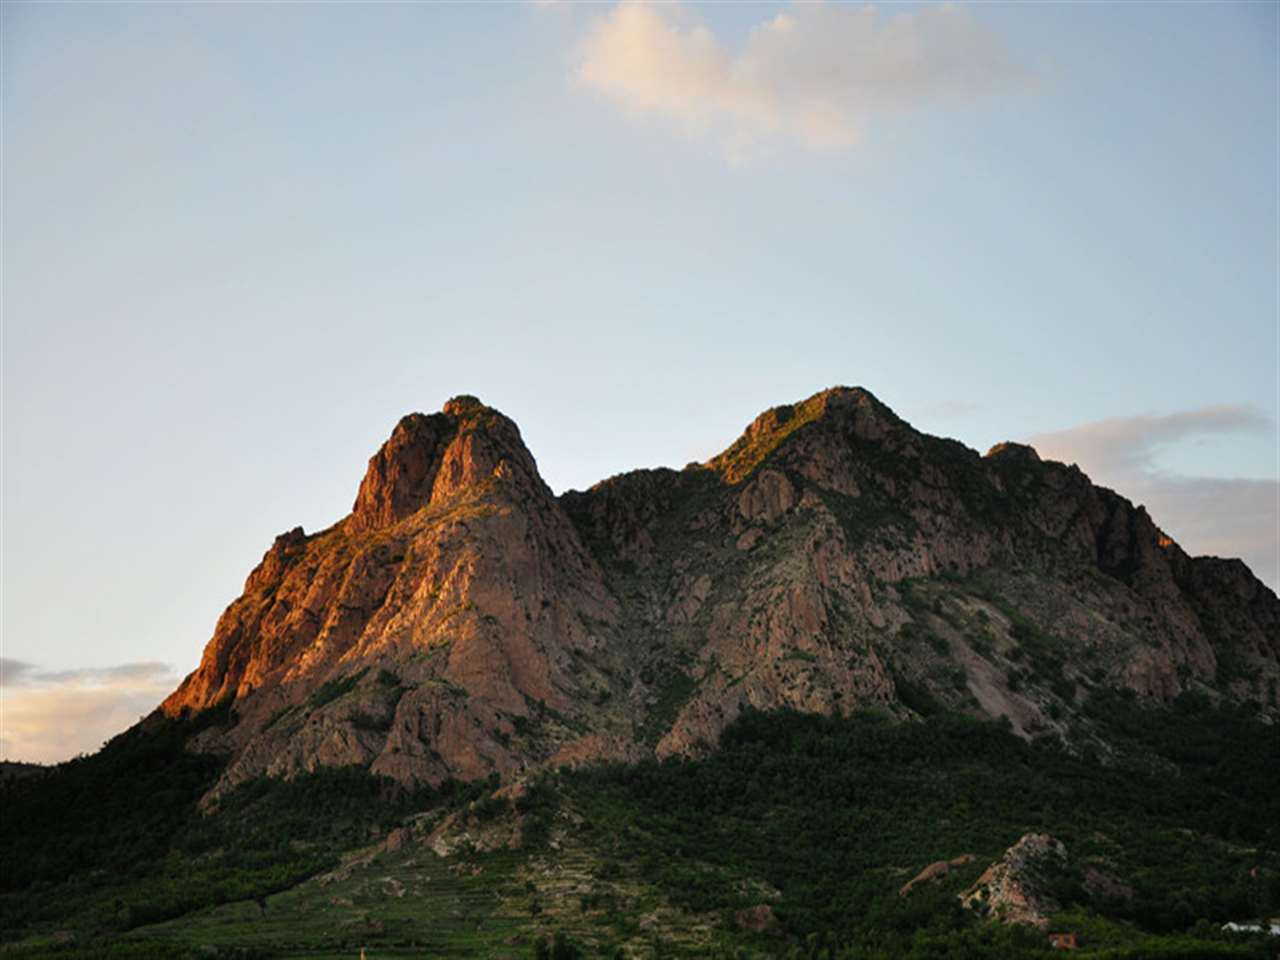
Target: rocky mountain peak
(1011, 452)
(401, 474)
(464, 404)
(463, 621)
(430, 458)
(842, 411)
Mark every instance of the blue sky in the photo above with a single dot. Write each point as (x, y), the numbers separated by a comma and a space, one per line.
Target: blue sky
(239, 241)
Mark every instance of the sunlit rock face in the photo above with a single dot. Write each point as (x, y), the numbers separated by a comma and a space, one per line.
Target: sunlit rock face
(431, 633)
(463, 620)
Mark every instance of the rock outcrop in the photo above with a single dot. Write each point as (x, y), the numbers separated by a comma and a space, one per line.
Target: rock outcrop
(934, 872)
(463, 621)
(1013, 889)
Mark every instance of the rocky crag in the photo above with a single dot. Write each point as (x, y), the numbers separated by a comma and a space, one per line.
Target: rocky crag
(1014, 889)
(463, 621)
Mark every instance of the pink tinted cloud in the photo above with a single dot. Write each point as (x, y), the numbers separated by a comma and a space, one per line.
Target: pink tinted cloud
(811, 75)
(50, 716)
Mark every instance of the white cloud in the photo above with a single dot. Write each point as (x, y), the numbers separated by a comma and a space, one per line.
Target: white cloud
(49, 716)
(812, 75)
(1227, 517)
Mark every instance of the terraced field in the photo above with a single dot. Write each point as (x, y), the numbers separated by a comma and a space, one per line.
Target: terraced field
(413, 902)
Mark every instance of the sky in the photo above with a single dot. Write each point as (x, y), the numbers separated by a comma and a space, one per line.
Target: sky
(239, 241)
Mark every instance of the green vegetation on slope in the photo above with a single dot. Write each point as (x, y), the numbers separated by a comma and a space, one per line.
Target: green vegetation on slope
(836, 814)
(113, 811)
(115, 841)
(823, 819)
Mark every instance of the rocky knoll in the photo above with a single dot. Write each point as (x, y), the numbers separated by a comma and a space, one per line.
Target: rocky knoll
(1013, 889)
(463, 620)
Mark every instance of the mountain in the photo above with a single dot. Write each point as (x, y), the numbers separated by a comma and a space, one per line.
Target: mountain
(844, 692)
(455, 598)
(462, 621)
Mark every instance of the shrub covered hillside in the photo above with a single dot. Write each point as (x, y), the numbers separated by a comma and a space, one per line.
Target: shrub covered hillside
(794, 839)
(825, 819)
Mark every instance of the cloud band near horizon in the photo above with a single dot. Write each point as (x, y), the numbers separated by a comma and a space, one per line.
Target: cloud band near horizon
(1219, 516)
(51, 716)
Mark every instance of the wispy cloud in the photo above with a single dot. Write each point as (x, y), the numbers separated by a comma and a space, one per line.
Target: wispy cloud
(1132, 443)
(813, 75)
(49, 716)
(1224, 516)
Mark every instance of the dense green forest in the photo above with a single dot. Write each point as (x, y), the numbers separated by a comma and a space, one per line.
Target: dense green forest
(827, 811)
(822, 818)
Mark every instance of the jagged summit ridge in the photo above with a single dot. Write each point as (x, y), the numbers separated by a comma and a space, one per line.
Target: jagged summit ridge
(1015, 452)
(464, 621)
(852, 409)
(430, 458)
